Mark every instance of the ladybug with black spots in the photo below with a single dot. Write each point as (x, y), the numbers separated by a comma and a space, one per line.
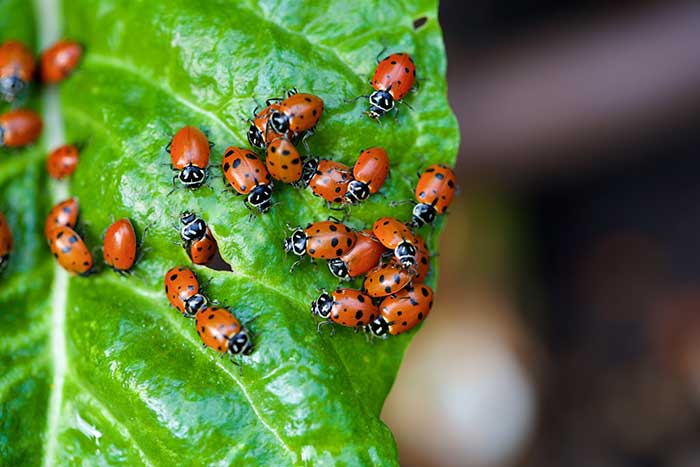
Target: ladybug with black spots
(434, 192)
(327, 179)
(62, 161)
(19, 127)
(346, 307)
(387, 278)
(6, 243)
(119, 246)
(59, 61)
(64, 213)
(364, 256)
(396, 236)
(368, 173)
(323, 240)
(299, 112)
(183, 292)
(247, 174)
(221, 331)
(189, 154)
(70, 250)
(403, 311)
(16, 69)
(258, 135)
(202, 251)
(393, 79)
(283, 161)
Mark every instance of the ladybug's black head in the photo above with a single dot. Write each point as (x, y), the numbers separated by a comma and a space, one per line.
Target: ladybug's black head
(379, 327)
(405, 252)
(322, 305)
(380, 102)
(240, 343)
(255, 137)
(279, 122)
(260, 198)
(194, 228)
(308, 170)
(339, 269)
(11, 87)
(195, 304)
(357, 192)
(296, 243)
(423, 214)
(192, 176)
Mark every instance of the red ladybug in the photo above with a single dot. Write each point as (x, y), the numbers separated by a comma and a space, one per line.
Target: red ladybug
(327, 179)
(62, 161)
(369, 173)
(16, 69)
(248, 175)
(364, 256)
(434, 192)
(19, 128)
(347, 307)
(70, 250)
(182, 290)
(396, 236)
(258, 134)
(189, 154)
(203, 250)
(221, 331)
(324, 240)
(403, 311)
(59, 61)
(393, 79)
(64, 213)
(298, 113)
(119, 246)
(387, 279)
(283, 161)
(5, 242)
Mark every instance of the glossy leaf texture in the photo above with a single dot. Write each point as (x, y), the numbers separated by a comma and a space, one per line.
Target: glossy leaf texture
(99, 370)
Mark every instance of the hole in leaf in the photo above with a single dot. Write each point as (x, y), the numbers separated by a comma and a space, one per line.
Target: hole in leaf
(419, 22)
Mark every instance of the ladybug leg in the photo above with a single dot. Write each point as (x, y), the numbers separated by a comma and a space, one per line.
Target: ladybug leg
(272, 100)
(380, 54)
(323, 323)
(331, 218)
(167, 147)
(393, 204)
(295, 264)
(174, 185)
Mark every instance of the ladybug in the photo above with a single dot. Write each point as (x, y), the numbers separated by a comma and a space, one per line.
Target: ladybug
(434, 192)
(396, 236)
(189, 153)
(62, 161)
(19, 128)
(387, 279)
(248, 175)
(182, 290)
(258, 135)
(422, 260)
(70, 250)
(283, 161)
(347, 307)
(393, 79)
(327, 179)
(403, 311)
(59, 61)
(324, 240)
(16, 69)
(5, 242)
(298, 113)
(119, 246)
(221, 331)
(364, 256)
(369, 173)
(64, 213)
(193, 228)
(203, 250)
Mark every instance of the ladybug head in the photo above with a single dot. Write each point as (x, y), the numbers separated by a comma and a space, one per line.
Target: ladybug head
(260, 198)
(192, 176)
(405, 252)
(279, 122)
(10, 87)
(296, 243)
(195, 304)
(240, 343)
(380, 102)
(308, 170)
(255, 137)
(339, 269)
(194, 228)
(357, 192)
(423, 214)
(322, 305)
(379, 327)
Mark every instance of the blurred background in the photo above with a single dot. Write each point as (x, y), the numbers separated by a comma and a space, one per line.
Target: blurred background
(566, 331)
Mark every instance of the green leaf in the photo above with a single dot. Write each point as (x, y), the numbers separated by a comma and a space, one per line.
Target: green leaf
(99, 370)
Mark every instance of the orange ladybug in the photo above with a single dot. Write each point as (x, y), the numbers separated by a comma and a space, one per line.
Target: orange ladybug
(347, 307)
(283, 161)
(434, 192)
(189, 154)
(182, 290)
(16, 69)
(369, 173)
(403, 311)
(19, 128)
(248, 175)
(120, 246)
(62, 161)
(70, 250)
(387, 279)
(203, 250)
(64, 213)
(59, 61)
(393, 79)
(298, 112)
(221, 331)
(327, 179)
(364, 256)
(324, 240)
(422, 260)
(258, 134)
(396, 236)
(5, 242)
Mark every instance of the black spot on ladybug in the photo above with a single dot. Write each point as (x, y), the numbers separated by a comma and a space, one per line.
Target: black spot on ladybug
(386, 223)
(424, 291)
(273, 148)
(285, 166)
(226, 166)
(312, 251)
(361, 298)
(399, 313)
(337, 189)
(314, 112)
(236, 163)
(250, 155)
(59, 235)
(296, 161)
(334, 242)
(211, 316)
(66, 209)
(406, 70)
(420, 315)
(439, 176)
(65, 249)
(404, 323)
(243, 187)
(348, 241)
(204, 329)
(332, 227)
(387, 289)
(381, 278)
(339, 252)
(307, 99)
(359, 314)
(421, 194)
(397, 278)
(85, 263)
